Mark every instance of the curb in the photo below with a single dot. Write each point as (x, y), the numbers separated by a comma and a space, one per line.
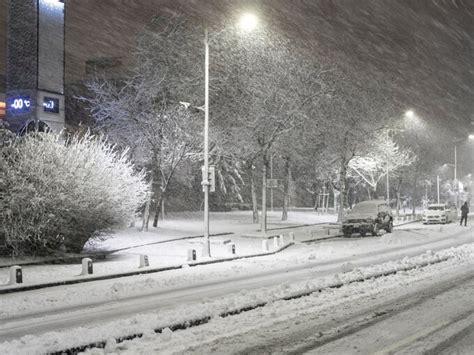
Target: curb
(342, 236)
(104, 254)
(134, 273)
(402, 224)
(195, 322)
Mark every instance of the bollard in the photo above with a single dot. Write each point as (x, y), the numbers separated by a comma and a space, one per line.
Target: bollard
(275, 242)
(328, 231)
(292, 237)
(144, 262)
(265, 245)
(282, 239)
(87, 268)
(16, 275)
(231, 248)
(191, 254)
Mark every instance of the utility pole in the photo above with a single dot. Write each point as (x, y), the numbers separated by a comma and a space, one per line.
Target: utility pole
(271, 178)
(456, 191)
(388, 179)
(437, 186)
(206, 250)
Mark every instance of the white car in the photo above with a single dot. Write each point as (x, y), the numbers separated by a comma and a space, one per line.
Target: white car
(439, 213)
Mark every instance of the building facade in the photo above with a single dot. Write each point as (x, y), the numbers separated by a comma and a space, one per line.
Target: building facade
(34, 97)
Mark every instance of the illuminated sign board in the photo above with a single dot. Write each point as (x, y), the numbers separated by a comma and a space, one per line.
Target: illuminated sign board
(50, 104)
(19, 104)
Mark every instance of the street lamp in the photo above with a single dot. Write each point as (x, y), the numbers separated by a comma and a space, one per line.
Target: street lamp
(410, 114)
(248, 22)
(470, 137)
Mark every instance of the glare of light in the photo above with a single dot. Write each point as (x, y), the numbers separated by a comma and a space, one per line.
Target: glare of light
(410, 114)
(248, 22)
(471, 136)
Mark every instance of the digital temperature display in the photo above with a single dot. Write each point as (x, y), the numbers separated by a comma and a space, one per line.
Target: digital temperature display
(19, 104)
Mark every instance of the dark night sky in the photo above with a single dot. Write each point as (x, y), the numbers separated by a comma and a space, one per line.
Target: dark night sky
(423, 49)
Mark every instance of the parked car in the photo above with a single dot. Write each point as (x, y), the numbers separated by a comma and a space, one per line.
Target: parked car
(368, 217)
(439, 213)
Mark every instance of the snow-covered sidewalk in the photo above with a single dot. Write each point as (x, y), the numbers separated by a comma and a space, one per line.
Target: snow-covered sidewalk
(169, 244)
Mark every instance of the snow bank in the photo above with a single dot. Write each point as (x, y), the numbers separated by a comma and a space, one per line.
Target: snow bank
(272, 296)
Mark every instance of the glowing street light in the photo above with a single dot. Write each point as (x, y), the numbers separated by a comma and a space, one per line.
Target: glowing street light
(248, 22)
(410, 114)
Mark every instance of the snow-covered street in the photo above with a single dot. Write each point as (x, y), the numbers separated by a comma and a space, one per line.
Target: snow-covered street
(236, 177)
(59, 318)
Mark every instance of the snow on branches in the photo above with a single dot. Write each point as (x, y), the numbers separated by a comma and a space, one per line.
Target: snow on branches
(62, 192)
(382, 156)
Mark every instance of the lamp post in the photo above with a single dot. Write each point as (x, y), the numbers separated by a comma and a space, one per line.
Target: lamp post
(205, 183)
(388, 178)
(437, 187)
(456, 192)
(456, 184)
(408, 115)
(247, 23)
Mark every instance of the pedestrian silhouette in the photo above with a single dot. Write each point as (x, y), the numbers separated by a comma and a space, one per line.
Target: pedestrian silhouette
(464, 213)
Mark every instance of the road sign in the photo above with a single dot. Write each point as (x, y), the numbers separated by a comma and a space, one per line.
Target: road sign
(272, 183)
(211, 178)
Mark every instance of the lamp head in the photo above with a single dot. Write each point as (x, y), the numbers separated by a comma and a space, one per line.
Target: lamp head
(248, 22)
(410, 114)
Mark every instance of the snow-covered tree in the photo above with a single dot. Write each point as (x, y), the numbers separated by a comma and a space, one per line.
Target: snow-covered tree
(145, 111)
(382, 155)
(64, 192)
(355, 110)
(276, 87)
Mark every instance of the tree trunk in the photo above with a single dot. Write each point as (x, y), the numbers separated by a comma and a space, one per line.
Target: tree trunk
(342, 188)
(253, 192)
(263, 227)
(158, 206)
(146, 213)
(414, 194)
(163, 208)
(286, 190)
(348, 190)
(398, 197)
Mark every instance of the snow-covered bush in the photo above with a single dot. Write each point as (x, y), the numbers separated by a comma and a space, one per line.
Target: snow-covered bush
(56, 192)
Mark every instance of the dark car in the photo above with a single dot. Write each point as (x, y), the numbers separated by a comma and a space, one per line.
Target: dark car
(368, 217)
